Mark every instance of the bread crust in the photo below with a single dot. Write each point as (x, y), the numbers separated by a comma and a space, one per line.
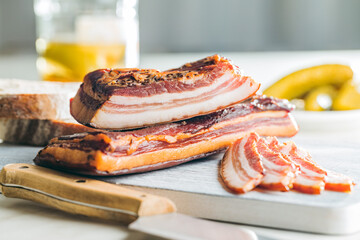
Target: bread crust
(37, 132)
(21, 99)
(33, 106)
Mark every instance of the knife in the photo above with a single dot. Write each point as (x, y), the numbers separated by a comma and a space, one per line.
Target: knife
(143, 212)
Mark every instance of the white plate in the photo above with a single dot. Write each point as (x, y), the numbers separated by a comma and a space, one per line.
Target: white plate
(328, 120)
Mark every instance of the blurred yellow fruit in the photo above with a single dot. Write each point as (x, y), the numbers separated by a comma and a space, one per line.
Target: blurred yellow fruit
(320, 98)
(297, 84)
(348, 97)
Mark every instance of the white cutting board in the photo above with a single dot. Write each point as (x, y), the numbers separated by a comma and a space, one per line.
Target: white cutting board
(196, 190)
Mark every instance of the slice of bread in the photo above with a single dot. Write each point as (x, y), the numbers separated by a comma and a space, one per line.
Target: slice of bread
(22, 99)
(33, 112)
(37, 132)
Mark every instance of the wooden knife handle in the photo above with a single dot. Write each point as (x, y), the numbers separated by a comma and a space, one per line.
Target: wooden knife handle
(80, 195)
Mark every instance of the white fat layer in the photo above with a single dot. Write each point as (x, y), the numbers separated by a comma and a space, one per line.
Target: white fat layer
(113, 120)
(273, 177)
(333, 177)
(244, 161)
(269, 165)
(169, 97)
(311, 173)
(305, 181)
(231, 175)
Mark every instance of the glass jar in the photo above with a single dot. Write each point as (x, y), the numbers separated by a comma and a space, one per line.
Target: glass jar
(79, 36)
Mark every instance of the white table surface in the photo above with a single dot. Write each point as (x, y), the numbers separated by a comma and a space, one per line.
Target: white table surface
(20, 219)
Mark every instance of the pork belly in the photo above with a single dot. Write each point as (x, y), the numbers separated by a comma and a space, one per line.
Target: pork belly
(133, 98)
(164, 145)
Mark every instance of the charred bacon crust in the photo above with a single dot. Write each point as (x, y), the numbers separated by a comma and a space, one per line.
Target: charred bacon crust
(89, 101)
(106, 81)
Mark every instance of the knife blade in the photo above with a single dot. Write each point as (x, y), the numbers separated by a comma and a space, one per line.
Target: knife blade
(140, 211)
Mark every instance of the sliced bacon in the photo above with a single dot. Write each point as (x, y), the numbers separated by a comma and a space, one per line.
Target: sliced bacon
(311, 178)
(114, 153)
(333, 181)
(249, 162)
(241, 167)
(133, 98)
(338, 182)
(280, 172)
(285, 166)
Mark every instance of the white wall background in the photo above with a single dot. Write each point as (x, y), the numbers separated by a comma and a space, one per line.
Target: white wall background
(217, 25)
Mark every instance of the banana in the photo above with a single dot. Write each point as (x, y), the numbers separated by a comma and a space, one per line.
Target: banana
(320, 98)
(298, 83)
(348, 97)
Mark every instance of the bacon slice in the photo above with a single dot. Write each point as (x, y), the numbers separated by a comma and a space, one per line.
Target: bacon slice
(241, 167)
(333, 181)
(338, 182)
(160, 146)
(249, 162)
(133, 98)
(280, 172)
(311, 178)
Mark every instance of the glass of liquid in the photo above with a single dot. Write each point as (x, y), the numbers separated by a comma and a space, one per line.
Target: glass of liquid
(79, 36)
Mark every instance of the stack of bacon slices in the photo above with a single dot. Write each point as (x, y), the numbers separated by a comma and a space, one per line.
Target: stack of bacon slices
(147, 119)
(254, 161)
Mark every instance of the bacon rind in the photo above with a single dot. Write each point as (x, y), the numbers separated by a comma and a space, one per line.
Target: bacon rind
(115, 153)
(133, 98)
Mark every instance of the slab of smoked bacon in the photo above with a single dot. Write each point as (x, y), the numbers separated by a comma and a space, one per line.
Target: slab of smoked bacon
(165, 145)
(134, 98)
